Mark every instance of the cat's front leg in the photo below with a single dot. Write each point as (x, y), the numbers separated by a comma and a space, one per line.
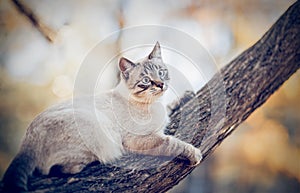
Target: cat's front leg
(182, 148)
(162, 145)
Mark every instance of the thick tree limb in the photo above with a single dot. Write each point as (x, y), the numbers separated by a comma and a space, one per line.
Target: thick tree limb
(205, 120)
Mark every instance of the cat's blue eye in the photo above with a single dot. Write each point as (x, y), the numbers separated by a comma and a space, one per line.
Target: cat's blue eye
(161, 73)
(146, 80)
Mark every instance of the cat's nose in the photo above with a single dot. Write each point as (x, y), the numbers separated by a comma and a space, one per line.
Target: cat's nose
(159, 84)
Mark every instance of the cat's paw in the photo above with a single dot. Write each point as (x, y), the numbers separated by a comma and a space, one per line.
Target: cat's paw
(195, 156)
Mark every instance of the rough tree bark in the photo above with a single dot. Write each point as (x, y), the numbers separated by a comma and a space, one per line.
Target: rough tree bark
(204, 119)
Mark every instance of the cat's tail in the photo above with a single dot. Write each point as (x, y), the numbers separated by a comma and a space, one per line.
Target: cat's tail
(16, 176)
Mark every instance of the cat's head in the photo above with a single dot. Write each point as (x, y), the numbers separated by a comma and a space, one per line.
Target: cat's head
(147, 79)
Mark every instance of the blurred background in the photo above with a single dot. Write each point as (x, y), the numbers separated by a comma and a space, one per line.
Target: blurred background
(38, 66)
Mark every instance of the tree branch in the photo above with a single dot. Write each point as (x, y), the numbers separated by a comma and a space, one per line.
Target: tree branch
(47, 32)
(205, 120)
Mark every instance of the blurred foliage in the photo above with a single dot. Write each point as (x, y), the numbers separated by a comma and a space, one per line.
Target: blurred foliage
(262, 156)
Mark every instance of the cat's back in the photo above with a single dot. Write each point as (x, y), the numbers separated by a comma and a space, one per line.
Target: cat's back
(63, 117)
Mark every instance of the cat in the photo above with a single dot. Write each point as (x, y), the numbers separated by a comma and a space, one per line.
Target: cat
(127, 118)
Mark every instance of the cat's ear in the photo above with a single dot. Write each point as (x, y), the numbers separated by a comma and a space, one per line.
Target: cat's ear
(125, 65)
(156, 53)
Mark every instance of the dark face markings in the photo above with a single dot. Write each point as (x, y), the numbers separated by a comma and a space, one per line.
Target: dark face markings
(143, 87)
(155, 74)
(158, 84)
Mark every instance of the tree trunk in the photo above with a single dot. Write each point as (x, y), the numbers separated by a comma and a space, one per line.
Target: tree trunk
(204, 119)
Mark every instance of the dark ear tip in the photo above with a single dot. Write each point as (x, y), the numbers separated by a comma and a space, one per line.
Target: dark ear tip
(155, 52)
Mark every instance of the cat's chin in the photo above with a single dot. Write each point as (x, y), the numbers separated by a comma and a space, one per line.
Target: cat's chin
(146, 100)
(158, 94)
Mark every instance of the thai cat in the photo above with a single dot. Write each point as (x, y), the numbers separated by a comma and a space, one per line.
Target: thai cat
(128, 118)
